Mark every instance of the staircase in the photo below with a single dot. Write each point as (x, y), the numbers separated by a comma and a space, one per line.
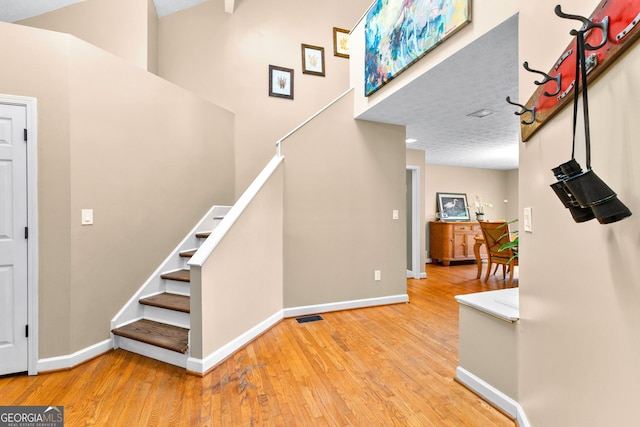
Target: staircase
(156, 321)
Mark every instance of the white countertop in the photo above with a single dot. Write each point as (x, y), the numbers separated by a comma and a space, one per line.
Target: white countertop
(503, 303)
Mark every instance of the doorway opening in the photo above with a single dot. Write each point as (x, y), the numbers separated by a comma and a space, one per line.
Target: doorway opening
(413, 223)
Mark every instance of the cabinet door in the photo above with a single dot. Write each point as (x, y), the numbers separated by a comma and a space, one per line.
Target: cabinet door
(471, 241)
(460, 245)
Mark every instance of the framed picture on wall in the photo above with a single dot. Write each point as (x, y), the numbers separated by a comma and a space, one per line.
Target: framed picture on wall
(340, 42)
(453, 206)
(312, 60)
(280, 82)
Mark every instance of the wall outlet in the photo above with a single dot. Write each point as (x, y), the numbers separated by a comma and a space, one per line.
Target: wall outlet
(377, 275)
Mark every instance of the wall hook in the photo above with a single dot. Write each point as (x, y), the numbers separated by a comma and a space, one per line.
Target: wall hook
(587, 25)
(547, 78)
(523, 110)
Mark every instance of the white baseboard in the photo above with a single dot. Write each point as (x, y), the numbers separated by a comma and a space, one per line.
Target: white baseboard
(493, 396)
(345, 305)
(201, 366)
(72, 360)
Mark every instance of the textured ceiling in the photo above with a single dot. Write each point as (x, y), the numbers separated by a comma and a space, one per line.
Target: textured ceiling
(434, 107)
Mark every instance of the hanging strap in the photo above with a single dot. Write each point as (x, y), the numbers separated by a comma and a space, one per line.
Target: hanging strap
(585, 100)
(581, 78)
(576, 83)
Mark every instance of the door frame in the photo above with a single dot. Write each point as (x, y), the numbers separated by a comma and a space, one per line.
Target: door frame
(31, 106)
(415, 223)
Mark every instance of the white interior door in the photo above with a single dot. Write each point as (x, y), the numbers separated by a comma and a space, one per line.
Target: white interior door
(13, 240)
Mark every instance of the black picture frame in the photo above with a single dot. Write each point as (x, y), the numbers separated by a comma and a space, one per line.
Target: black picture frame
(280, 82)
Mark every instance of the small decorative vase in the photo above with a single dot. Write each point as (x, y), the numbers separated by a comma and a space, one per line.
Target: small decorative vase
(480, 216)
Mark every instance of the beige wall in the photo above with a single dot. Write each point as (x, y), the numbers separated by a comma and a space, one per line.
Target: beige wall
(512, 210)
(105, 144)
(152, 38)
(122, 27)
(579, 283)
(493, 186)
(225, 58)
(488, 348)
(43, 73)
(242, 280)
(343, 179)
(416, 158)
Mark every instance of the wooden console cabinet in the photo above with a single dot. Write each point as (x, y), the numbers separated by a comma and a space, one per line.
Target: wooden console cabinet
(453, 241)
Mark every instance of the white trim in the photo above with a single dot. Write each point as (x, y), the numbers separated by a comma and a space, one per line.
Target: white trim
(492, 395)
(31, 106)
(154, 284)
(72, 360)
(297, 128)
(201, 366)
(503, 304)
(345, 305)
(209, 245)
(415, 222)
(151, 351)
(229, 5)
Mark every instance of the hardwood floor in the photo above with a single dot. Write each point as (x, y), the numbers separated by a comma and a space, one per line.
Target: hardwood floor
(384, 366)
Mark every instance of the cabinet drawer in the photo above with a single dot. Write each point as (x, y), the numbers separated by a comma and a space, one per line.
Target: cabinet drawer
(462, 228)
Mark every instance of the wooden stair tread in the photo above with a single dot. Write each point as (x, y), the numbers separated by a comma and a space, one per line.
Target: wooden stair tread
(188, 254)
(203, 234)
(162, 335)
(169, 301)
(180, 275)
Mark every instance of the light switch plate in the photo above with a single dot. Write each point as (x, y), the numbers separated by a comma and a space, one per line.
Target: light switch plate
(396, 214)
(87, 216)
(528, 220)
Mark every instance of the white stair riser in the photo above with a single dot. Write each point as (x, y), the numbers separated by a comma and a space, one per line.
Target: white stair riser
(147, 350)
(155, 285)
(178, 287)
(170, 317)
(185, 263)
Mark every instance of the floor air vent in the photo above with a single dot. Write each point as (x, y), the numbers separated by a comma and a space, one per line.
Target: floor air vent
(307, 319)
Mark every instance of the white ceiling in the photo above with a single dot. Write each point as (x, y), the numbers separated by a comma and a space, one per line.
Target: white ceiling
(434, 107)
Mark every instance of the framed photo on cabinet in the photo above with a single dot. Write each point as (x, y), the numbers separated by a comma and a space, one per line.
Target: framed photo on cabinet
(453, 206)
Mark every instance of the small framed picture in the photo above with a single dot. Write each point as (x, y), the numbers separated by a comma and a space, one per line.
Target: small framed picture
(453, 206)
(312, 60)
(280, 82)
(340, 42)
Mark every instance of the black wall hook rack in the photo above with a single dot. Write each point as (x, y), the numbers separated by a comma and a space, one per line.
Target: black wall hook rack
(587, 25)
(547, 78)
(523, 110)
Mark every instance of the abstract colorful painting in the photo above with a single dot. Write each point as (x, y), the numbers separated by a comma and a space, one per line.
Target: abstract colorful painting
(399, 32)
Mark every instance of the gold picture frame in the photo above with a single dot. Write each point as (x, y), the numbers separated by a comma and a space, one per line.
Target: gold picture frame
(312, 60)
(341, 42)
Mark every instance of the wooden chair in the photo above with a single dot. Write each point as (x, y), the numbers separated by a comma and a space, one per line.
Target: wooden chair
(496, 234)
